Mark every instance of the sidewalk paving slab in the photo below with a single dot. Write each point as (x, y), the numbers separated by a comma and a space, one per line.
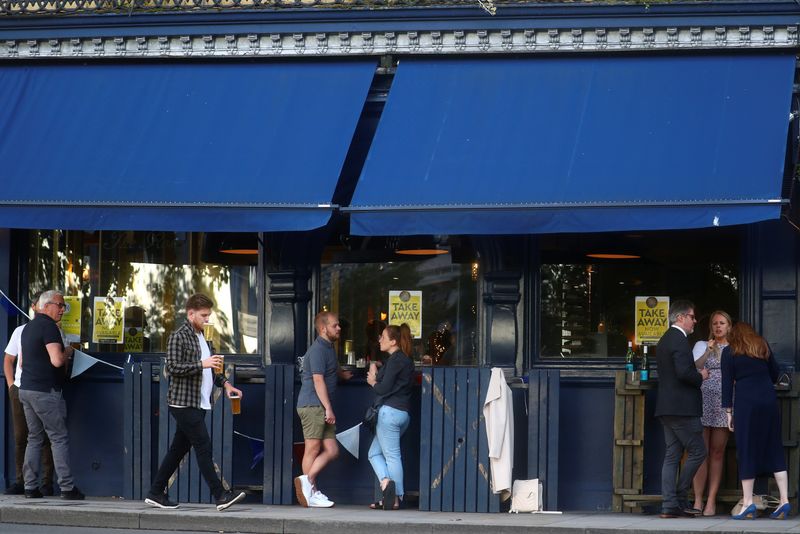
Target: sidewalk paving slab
(257, 518)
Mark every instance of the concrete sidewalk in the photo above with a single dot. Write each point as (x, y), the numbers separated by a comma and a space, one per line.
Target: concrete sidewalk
(247, 517)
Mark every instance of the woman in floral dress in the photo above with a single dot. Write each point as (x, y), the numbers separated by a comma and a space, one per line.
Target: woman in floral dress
(715, 423)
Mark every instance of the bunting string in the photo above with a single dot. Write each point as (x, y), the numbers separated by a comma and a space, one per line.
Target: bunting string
(8, 299)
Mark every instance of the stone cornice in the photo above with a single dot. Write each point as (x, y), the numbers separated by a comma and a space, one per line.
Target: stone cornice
(339, 44)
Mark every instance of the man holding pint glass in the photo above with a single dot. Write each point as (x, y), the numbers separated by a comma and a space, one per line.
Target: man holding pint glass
(188, 366)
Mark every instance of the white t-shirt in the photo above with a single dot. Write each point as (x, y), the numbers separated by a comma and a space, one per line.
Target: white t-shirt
(14, 348)
(208, 374)
(207, 385)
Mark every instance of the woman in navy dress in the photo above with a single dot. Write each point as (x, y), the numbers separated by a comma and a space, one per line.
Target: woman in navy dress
(748, 398)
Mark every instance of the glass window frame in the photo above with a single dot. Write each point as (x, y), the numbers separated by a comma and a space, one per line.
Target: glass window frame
(21, 256)
(533, 316)
(316, 305)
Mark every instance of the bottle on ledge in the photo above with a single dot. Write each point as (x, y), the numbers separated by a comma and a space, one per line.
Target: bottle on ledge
(630, 365)
(644, 372)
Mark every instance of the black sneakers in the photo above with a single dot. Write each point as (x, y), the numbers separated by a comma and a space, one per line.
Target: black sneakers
(33, 494)
(160, 501)
(228, 498)
(72, 495)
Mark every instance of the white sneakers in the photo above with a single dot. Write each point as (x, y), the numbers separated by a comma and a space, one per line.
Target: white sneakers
(302, 489)
(319, 500)
(309, 497)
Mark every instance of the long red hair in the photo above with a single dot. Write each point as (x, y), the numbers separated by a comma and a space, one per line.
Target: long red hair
(743, 340)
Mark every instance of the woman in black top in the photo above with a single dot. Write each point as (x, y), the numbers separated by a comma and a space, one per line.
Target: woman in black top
(392, 385)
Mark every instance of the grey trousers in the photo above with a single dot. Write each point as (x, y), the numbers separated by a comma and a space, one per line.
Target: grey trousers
(21, 441)
(46, 414)
(680, 433)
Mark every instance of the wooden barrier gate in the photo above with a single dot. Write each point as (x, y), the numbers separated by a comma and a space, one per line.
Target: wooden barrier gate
(544, 388)
(187, 484)
(137, 430)
(278, 433)
(454, 451)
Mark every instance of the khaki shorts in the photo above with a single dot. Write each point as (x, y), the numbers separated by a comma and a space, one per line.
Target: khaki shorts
(314, 425)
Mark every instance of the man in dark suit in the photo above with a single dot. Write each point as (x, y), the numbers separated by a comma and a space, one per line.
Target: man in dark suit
(679, 406)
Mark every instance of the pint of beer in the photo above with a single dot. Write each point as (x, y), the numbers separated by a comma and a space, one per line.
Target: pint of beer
(236, 404)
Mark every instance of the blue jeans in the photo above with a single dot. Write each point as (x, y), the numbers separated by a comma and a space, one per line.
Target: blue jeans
(384, 453)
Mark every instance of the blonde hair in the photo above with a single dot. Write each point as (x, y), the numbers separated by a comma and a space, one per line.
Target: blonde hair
(711, 322)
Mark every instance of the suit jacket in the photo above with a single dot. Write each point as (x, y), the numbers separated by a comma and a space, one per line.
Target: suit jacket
(678, 379)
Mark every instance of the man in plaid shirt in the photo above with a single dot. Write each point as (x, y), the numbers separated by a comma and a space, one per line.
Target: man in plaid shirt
(188, 365)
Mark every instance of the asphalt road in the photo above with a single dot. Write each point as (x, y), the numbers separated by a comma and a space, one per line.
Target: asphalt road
(49, 529)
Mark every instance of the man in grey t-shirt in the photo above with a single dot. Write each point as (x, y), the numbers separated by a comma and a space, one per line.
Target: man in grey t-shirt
(314, 406)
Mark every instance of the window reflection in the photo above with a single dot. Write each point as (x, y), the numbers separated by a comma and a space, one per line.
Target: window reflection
(588, 305)
(360, 294)
(154, 272)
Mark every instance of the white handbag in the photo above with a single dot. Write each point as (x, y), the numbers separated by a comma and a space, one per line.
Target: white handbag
(526, 496)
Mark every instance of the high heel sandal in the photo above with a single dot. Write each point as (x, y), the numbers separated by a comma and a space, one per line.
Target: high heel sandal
(389, 496)
(748, 513)
(782, 512)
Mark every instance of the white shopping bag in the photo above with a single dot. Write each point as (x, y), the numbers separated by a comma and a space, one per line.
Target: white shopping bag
(526, 496)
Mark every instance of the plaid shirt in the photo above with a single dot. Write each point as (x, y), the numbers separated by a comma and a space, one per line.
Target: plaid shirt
(184, 368)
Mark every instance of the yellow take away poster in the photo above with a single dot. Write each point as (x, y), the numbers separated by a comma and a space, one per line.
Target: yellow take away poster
(406, 307)
(652, 319)
(108, 320)
(71, 320)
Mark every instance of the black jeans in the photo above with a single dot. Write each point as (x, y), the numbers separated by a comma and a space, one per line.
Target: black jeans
(680, 433)
(191, 432)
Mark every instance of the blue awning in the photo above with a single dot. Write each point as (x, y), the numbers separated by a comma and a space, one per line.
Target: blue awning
(577, 144)
(228, 146)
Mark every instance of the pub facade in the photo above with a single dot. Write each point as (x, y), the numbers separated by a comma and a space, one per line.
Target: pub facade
(508, 178)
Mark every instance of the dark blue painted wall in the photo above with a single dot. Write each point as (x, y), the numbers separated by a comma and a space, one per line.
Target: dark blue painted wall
(586, 444)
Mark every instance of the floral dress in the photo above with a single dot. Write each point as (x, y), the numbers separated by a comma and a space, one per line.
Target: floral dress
(713, 414)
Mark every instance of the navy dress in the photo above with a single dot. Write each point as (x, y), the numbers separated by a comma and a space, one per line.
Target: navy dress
(747, 385)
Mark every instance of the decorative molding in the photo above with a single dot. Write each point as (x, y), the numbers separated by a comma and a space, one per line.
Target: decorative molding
(478, 41)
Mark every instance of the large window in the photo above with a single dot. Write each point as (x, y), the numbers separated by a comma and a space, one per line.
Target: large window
(589, 285)
(131, 287)
(435, 294)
